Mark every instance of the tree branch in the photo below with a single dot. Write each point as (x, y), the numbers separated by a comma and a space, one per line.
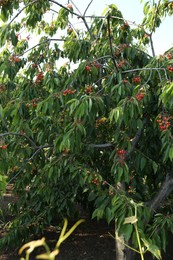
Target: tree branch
(141, 69)
(136, 139)
(22, 135)
(152, 45)
(134, 142)
(38, 44)
(152, 30)
(163, 193)
(110, 42)
(87, 7)
(108, 145)
(62, 6)
(38, 149)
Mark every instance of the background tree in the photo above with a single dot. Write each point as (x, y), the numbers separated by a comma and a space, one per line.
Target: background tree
(96, 130)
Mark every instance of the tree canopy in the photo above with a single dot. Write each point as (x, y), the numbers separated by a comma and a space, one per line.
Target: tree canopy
(86, 117)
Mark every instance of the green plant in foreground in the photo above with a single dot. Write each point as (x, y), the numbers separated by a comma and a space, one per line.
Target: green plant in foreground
(49, 255)
(144, 245)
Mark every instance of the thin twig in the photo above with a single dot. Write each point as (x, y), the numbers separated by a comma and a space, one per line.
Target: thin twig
(68, 9)
(87, 7)
(76, 7)
(140, 69)
(152, 45)
(79, 16)
(46, 41)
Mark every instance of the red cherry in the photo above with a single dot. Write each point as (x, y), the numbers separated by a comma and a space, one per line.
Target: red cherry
(70, 6)
(169, 56)
(4, 147)
(137, 80)
(88, 68)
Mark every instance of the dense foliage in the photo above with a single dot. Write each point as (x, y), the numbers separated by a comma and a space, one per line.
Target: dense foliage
(86, 117)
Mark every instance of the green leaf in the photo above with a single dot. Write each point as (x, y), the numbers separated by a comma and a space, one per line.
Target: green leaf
(1, 111)
(98, 213)
(171, 153)
(115, 200)
(92, 196)
(155, 166)
(152, 248)
(130, 220)
(3, 34)
(143, 163)
(109, 215)
(14, 39)
(116, 114)
(126, 230)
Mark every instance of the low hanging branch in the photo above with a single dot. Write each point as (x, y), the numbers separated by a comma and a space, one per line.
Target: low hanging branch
(21, 135)
(34, 146)
(134, 142)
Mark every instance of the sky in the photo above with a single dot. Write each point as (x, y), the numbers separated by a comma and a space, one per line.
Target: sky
(132, 10)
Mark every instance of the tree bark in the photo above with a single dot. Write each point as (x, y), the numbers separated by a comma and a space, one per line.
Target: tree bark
(119, 246)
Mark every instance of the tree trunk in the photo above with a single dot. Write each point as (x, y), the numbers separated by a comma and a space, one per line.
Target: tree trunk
(119, 247)
(122, 252)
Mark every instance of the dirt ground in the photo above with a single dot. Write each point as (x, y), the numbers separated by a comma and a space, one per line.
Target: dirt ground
(90, 241)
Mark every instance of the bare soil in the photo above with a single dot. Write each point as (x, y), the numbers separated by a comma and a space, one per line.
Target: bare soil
(90, 241)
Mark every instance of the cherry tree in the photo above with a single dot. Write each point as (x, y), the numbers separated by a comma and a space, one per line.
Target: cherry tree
(86, 117)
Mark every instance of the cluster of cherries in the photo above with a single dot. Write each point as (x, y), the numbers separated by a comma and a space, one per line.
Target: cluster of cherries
(137, 80)
(3, 147)
(34, 103)
(39, 77)
(14, 58)
(95, 180)
(124, 27)
(88, 90)
(121, 153)
(163, 122)
(120, 48)
(94, 64)
(121, 156)
(68, 92)
(169, 56)
(120, 65)
(139, 96)
(34, 65)
(100, 121)
(170, 68)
